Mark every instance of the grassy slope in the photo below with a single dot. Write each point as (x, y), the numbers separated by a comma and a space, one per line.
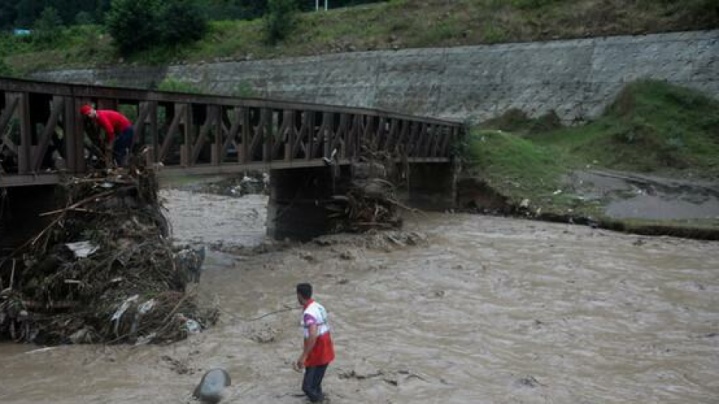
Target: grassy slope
(390, 25)
(652, 127)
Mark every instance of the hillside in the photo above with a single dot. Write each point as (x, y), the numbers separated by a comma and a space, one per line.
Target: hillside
(655, 147)
(395, 24)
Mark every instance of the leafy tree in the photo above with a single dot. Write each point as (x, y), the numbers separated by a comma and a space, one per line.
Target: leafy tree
(48, 26)
(7, 15)
(84, 18)
(182, 21)
(280, 20)
(26, 11)
(137, 25)
(134, 24)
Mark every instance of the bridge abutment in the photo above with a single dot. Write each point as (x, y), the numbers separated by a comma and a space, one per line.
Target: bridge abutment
(297, 205)
(431, 186)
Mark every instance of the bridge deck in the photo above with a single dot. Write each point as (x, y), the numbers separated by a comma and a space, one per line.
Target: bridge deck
(201, 134)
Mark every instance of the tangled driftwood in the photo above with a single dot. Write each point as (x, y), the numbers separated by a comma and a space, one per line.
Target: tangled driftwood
(103, 270)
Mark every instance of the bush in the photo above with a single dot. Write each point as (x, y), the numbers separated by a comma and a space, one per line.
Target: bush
(5, 70)
(182, 21)
(48, 26)
(280, 19)
(133, 24)
(137, 25)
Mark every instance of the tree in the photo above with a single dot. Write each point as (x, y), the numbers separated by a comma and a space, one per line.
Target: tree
(280, 19)
(48, 26)
(84, 18)
(182, 21)
(134, 24)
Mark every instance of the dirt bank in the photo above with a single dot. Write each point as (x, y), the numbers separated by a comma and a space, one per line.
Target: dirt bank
(622, 201)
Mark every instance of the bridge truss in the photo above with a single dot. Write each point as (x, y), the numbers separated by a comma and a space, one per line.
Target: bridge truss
(202, 134)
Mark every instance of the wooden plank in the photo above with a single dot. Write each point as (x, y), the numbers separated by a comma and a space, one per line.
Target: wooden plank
(55, 110)
(210, 118)
(217, 146)
(431, 134)
(232, 132)
(324, 135)
(402, 138)
(391, 135)
(246, 134)
(436, 140)
(189, 129)
(287, 134)
(352, 137)
(342, 135)
(24, 148)
(180, 112)
(419, 142)
(139, 124)
(304, 134)
(154, 132)
(11, 102)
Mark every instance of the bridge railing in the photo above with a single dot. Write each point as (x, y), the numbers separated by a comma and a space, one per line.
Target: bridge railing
(194, 130)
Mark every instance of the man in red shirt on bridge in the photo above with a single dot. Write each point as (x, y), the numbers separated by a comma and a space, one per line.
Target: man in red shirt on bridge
(318, 351)
(118, 130)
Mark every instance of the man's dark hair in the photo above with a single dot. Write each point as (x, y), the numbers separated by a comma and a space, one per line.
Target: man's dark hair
(304, 290)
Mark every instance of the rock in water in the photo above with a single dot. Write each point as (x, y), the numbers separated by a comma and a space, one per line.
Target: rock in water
(212, 385)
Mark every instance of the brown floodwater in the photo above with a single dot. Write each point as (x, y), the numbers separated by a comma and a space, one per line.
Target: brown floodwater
(487, 310)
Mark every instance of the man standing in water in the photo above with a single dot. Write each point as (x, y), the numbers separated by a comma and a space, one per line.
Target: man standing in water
(118, 130)
(318, 350)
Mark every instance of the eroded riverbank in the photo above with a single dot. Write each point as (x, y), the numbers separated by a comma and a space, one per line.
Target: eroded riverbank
(481, 309)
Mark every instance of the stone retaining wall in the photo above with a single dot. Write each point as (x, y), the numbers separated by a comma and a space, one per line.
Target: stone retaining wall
(576, 78)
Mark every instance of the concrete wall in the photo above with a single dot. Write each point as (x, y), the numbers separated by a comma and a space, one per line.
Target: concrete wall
(576, 78)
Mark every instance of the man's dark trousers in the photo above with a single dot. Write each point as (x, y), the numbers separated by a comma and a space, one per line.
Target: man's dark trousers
(312, 383)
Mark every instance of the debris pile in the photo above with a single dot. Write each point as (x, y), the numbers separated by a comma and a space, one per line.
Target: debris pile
(102, 270)
(370, 202)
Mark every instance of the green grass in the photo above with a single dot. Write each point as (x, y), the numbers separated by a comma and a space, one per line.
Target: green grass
(516, 167)
(387, 25)
(652, 127)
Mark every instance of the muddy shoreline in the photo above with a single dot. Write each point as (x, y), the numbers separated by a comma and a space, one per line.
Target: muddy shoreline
(631, 203)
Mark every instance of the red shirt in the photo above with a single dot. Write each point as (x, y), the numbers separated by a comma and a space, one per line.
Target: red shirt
(112, 122)
(323, 352)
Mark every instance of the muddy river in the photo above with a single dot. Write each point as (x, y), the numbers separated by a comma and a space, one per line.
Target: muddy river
(472, 309)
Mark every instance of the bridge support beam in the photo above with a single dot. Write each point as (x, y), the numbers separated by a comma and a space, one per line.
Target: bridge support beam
(295, 208)
(432, 186)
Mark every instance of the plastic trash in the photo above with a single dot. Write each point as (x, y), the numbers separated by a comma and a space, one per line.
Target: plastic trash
(82, 249)
(192, 326)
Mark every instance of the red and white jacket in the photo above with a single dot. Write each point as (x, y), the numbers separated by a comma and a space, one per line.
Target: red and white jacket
(323, 352)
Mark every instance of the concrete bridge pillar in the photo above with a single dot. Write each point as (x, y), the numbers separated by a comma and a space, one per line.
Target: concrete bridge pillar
(432, 186)
(295, 209)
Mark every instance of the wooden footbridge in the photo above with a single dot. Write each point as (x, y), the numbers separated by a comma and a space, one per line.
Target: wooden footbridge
(191, 134)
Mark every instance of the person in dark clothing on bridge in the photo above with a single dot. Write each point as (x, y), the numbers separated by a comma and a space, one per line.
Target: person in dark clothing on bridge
(118, 130)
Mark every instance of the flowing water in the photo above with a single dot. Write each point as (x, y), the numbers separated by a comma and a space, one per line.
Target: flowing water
(486, 310)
